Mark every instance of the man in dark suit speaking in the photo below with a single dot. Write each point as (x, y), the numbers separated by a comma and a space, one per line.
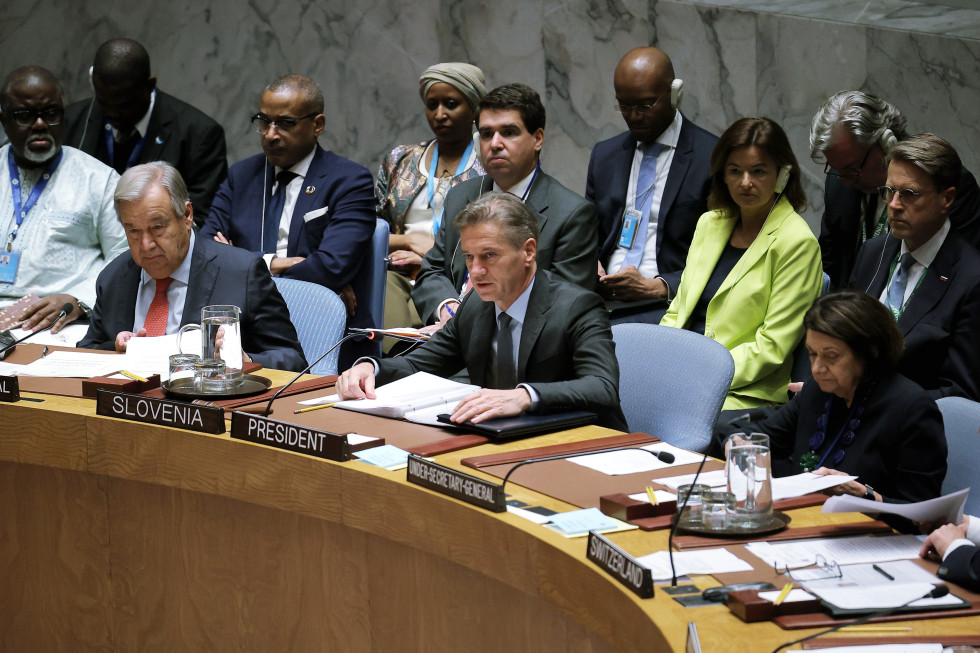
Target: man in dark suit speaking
(535, 343)
(169, 274)
(650, 185)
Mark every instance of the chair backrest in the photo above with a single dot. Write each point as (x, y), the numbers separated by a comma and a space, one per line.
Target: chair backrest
(672, 382)
(370, 284)
(961, 418)
(319, 317)
(802, 370)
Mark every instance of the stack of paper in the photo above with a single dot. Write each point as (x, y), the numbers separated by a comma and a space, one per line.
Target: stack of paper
(701, 561)
(632, 461)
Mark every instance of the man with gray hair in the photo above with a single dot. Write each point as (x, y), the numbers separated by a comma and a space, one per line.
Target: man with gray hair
(58, 225)
(924, 272)
(170, 273)
(535, 343)
(851, 134)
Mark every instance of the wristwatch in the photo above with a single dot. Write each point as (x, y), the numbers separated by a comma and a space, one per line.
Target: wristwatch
(869, 493)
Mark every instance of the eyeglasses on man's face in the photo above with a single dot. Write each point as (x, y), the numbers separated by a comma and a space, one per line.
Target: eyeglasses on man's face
(264, 123)
(52, 116)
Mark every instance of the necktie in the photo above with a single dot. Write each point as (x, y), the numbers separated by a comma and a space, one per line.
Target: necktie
(646, 177)
(896, 291)
(156, 317)
(273, 211)
(123, 149)
(506, 372)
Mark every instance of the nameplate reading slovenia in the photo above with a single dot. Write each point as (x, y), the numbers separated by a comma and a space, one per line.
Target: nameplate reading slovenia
(164, 412)
(620, 565)
(291, 437)
(456, 484)
(9, 388)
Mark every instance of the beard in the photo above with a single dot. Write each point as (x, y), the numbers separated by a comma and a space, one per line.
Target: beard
(43, 156)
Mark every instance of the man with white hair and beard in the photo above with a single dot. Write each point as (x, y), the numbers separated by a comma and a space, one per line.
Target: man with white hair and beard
(57, 222)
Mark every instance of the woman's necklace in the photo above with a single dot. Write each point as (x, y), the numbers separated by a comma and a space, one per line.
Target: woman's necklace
(811, 460)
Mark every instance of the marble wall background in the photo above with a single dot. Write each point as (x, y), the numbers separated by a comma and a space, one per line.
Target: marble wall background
(775, 58)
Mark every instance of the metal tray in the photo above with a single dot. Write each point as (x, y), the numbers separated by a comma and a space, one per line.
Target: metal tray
(780, 520)
(251, 385)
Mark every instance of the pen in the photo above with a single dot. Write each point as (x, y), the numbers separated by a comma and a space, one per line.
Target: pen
(31, 399)
(130, 375)
(44, 352)
(782, 595)
(882, 572)
(449, 308)
(309, 408)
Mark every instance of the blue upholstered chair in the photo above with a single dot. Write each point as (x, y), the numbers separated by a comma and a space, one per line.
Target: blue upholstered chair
(962, 420)
(319, 317)
(801, 357)
(370, 283)
(672, 382)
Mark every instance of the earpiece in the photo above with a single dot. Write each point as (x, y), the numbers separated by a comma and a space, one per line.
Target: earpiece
(782, 178)
(91, 82)
(887, 140)
(676, 93)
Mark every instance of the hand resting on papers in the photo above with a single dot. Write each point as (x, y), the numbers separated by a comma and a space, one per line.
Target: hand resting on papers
(123, 337)
(853, 488)
(358, 383)
(934, 547)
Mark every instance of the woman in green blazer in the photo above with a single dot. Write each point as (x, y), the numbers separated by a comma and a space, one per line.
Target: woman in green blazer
(754, 264)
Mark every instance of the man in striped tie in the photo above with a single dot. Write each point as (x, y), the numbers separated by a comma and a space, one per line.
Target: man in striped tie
(169, 274)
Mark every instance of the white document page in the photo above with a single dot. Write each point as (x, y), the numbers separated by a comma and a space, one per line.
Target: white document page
(948, 508)
(702, 561)
(867, 575)
(418, 391)
(788, 487)
(792, 597)
(713, 479)
(387, 456)
(10, 369)
(632, 461)
(886, 648)
(842, 550)
(73, 364)
(879, 597)
(67, 337)
(151, 355)
(661, 495)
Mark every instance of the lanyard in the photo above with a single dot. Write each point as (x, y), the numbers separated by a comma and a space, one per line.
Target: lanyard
(110, 144)
(21, 210)
(430, 183)
(879, 227)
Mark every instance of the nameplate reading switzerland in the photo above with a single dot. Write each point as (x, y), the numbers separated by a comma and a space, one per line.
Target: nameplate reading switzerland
(456, 484)
(164, 412)
(291, 437)
(620, 565)
(9, 388)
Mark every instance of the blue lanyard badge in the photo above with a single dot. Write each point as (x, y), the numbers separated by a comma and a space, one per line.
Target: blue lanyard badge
(110, 144)
(21, 210)
(430, 182)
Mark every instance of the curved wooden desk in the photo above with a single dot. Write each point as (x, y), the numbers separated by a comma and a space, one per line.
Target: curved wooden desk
(116, 536)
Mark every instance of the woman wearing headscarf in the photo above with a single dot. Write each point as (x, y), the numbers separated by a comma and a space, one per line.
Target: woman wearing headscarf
(413, 180)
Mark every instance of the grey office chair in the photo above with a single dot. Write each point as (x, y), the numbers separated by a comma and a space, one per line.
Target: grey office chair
(319, 317)
(962, 420)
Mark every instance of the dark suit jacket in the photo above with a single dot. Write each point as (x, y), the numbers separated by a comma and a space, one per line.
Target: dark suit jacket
(840, 228)
(941, 322)
(219, 275)
(566, 352)
(962, 566)
(567, 245)
(177, 133)
(685, 195)
(899, 448)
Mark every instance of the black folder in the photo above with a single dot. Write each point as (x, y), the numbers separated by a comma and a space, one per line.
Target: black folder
(509, 428)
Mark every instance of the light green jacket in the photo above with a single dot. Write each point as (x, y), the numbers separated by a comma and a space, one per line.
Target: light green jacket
(758, 310)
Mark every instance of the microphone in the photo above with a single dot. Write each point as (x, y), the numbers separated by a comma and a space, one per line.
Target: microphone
(663, 456)
(65, 311)
(937, 592)
(369, 336)
(673, 527)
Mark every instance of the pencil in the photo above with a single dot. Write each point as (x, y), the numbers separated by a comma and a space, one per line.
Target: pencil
(309, 408)
(130, 375)
(787, 588)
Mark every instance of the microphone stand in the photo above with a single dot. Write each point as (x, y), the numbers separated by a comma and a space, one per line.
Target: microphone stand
(268, 408)
(673, 527)
(65, 311)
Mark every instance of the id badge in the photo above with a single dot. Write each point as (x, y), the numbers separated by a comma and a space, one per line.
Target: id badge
(631, 220)
(8, 266)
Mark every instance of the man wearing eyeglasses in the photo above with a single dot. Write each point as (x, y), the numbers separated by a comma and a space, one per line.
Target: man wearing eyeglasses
(650, 186)
(924, 272)
(58, 224)
(308, 211)
(851, 134)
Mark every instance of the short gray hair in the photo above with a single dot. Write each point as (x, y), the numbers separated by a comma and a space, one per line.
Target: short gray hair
(517, 222)
(932, 155)
(134, 182)
(864, 116)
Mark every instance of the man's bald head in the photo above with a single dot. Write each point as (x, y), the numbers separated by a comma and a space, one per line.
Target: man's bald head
(119, 61)
(642, 81)
(28, 77)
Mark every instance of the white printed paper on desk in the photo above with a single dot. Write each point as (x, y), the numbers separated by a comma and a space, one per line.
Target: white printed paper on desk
(842, 550)
(420, 391)
(67, 337)
(701, 561)
(73, 364)
(787, 487)
(948, 508)
(633, 461)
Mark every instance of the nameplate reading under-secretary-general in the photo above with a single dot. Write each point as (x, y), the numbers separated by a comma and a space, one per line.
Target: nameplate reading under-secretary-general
(9, 388)
(456, 484)
(620, 565)
(164, 412)
(291, 437)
